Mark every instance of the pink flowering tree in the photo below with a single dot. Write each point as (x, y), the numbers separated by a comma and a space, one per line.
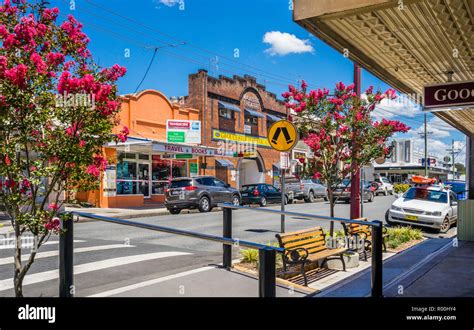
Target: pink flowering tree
(340, 130)
(57, 110)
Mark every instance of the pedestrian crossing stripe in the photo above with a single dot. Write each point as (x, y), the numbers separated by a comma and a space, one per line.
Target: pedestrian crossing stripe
(282, 135)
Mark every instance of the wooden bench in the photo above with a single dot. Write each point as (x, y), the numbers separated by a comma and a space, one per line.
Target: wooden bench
(364, 232)
(305, 246)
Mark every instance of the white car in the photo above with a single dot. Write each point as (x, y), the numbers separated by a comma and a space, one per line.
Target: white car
(384, 186)
(432, 206)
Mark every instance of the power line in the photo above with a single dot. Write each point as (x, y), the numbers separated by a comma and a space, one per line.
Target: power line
(267, 73)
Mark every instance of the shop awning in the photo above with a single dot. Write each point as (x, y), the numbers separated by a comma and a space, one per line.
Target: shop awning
(273, 118)
(254, 113)
(228, 106)
(407, 44)
(224, 162)
(277, 165)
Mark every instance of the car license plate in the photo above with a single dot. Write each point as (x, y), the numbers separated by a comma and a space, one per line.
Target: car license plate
(175, 192)
(411, 217)
(245, 194)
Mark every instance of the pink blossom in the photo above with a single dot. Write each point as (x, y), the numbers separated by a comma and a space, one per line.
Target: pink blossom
(93, 170)
(304, 84)
(53, 225)
(54, 59)
(391, 94)
(317, 175)
(114, 72)
(17, 75)
(53, 206)
(38, 62)
(50, 14)
(340, 86)
(369, 90)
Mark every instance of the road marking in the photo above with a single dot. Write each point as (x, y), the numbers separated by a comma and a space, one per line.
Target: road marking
(90, 267)
(150, 282)
(30, 245)
(10, 260)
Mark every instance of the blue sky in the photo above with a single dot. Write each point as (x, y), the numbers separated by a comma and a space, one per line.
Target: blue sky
(220, 28)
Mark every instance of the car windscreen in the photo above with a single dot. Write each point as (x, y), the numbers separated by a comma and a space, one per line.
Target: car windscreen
(457, 187)
(346, 182)
(248, 188)
(427, 195)
(180, 183)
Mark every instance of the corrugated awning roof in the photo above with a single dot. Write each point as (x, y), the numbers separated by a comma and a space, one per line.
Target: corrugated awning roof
(228, 106)
(254, 113)
(273, 118)
(408, 47)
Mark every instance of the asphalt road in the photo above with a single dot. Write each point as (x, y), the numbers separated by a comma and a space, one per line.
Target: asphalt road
(110, 256)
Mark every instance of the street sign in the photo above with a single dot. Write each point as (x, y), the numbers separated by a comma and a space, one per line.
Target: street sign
(282, 135)
(284, 160)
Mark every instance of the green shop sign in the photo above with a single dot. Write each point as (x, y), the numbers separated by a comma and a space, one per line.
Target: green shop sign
(174, 136)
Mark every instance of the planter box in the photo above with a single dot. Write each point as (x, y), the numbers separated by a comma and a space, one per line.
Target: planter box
(350, 258)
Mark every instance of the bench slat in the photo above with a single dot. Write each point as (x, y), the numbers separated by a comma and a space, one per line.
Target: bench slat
(299, 232)
(299, 242)
(326, 253)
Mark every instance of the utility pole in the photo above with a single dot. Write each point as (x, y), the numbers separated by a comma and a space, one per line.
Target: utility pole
(355, 179)
(453, 152)
(425, 135)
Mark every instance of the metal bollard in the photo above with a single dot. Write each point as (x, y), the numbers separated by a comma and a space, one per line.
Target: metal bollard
(377, 264)
(66, 255)
(227, 233)
(266, 273)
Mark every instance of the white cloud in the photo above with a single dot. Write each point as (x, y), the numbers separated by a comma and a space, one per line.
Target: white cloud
(169, 3)
(283, 43)
(439, 148)
(400, 106)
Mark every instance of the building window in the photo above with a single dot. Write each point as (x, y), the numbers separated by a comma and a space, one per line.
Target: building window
(250, 120)
(126, 177)
(226, 113)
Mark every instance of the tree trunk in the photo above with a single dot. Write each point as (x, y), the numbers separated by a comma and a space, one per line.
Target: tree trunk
(17, 278)
(331, 211)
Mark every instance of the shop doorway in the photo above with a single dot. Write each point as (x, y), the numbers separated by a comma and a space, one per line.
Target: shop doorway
(251, 170)
(144, 171)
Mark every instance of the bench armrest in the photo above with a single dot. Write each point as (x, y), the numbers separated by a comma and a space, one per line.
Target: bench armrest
(295, 256)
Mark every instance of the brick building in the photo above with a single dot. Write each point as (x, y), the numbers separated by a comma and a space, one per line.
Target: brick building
(236, 113)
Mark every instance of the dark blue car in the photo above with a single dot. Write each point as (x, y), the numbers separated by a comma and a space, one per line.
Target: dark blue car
(261, 193)
(458, 187)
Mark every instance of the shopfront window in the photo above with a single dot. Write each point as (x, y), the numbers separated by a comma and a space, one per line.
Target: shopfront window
(126, 177)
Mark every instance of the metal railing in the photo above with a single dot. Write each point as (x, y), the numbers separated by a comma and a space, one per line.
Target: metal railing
(376, 228)
(267, 254)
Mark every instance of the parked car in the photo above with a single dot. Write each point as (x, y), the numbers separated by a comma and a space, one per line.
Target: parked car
(202, 192)
(385, 187)
(261, 193)
(459, 188)
(428, 206)
(343, 191)
(306, 189)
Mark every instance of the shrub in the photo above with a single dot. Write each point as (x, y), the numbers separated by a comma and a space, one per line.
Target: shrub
(249, 256)
(399, 235)
(400, 188)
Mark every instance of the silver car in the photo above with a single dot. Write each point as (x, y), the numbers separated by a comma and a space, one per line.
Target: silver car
(202, 193)
(306, 189)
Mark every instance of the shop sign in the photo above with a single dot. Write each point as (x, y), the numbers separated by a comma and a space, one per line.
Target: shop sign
(226, 136)
(193, 169)
(184, 156)
(181, 149)
(448, 95)
(109, 181)
(183, 131)
(247, 129)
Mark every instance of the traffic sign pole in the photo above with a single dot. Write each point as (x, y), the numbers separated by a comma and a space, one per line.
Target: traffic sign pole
(283, 136)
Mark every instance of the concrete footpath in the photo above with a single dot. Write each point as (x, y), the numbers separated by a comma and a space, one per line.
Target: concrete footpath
(210, 281)
(434, 268)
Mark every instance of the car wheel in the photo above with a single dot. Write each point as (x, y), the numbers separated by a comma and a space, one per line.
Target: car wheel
(174, 211)
(290, 201)
(387, 219)
(235, 200)
(263, 201)
(286, 200)
(310, 198)
(326, 198)
(204, 204)
(445, 226)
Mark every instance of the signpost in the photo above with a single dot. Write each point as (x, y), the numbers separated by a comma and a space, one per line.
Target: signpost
(283, 136)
